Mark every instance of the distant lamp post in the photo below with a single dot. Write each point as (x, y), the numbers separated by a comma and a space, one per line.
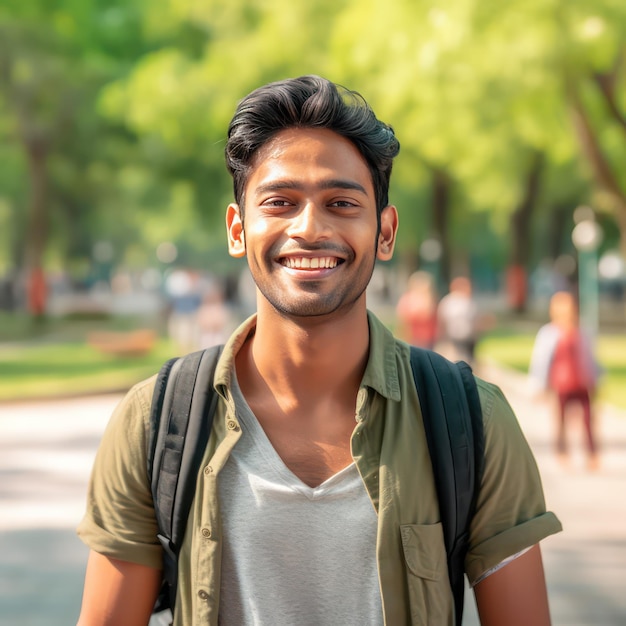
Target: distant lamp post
(587, 236)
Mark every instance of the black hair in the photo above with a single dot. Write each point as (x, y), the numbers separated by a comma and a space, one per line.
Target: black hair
(309, 102)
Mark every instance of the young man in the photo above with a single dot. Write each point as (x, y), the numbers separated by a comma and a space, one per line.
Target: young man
(315, 503)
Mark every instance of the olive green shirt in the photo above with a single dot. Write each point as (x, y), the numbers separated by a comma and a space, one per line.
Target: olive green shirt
(390, 450)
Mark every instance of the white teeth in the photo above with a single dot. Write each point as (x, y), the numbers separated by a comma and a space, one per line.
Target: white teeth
(325, 262)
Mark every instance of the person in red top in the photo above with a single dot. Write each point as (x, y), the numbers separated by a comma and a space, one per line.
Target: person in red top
(563, 362)
(417, 311)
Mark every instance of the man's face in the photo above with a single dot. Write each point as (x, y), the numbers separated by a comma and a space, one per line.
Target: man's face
(310, 224)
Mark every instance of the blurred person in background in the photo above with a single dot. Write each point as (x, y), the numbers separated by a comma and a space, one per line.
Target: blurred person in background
(183, 289)
(459, 320)
(215, 320)
(417, 311)
(563, 362)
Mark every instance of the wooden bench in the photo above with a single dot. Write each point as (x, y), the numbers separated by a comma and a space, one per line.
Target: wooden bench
(129, 343)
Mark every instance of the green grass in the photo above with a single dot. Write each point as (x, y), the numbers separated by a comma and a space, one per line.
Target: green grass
(513, 349)
(54, 359)
(51, 357)
(56, 369)
(24, 328)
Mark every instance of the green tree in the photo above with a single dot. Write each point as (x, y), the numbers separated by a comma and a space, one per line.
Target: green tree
(53, 60)
(509, 114)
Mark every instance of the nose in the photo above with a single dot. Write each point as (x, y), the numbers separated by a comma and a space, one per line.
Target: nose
(310, 223)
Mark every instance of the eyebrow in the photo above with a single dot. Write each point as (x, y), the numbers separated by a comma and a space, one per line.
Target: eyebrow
(333, 183)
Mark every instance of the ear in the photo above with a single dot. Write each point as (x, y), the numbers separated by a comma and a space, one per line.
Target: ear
(388, 231)
(234, 228)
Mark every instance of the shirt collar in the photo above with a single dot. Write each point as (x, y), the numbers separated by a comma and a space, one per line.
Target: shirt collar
(381, 371)
(226, 364)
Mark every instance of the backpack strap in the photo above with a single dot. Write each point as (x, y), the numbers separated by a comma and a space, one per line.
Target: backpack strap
(454, 431)
(181, 417)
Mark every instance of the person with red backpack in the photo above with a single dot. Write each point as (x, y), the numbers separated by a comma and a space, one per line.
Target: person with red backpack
(563, 362)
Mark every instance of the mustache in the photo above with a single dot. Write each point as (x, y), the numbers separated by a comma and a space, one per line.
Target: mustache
(326, 248)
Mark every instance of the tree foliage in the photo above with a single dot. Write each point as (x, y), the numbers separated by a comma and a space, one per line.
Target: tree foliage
(509, 114)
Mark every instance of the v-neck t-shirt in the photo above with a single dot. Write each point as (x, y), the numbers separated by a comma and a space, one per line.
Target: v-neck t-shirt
(294, 554)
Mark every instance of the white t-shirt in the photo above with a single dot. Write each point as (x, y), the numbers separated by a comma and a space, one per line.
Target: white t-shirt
(294, 554)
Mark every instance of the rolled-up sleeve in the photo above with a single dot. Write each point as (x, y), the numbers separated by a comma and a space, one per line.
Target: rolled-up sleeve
(511, 511)
(119, 521)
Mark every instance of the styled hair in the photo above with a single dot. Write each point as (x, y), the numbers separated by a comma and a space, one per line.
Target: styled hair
(309, 102)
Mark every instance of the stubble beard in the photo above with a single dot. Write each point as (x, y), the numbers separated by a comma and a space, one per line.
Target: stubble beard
(309, 302)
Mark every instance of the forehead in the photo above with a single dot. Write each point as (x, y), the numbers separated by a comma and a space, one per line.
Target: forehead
(309, 154)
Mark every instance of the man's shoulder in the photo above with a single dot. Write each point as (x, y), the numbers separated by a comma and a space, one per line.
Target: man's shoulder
(144, 389)
(490, 395)
(136, 403)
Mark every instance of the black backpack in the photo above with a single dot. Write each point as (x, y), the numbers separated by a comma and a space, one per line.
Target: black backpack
(180, 424)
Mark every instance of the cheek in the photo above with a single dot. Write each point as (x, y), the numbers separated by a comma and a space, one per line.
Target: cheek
(366, 236)
(263, 237)
(257, 231)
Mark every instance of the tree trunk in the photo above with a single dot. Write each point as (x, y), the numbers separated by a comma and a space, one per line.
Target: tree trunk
(440, 206)
(592, 150)
(560, 218)
(606, 83)
(37, 226)
(517, 272)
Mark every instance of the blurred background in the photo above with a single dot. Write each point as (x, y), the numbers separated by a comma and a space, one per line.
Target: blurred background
(113, 115)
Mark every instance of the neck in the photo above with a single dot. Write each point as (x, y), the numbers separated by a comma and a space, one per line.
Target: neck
(306, 357)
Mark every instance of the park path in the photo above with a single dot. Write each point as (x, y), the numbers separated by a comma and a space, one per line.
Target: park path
(586, 563)
(46, 451)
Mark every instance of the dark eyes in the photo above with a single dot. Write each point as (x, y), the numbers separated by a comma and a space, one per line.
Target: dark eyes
(284, 203)
(277, 203)
(342, 204)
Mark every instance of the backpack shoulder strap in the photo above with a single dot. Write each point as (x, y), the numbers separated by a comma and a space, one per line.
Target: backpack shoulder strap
(453, 423)
(181, 418)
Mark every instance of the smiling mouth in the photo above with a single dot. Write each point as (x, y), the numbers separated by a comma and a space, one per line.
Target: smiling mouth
(311, 263)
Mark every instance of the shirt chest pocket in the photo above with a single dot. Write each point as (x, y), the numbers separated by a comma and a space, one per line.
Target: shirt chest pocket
(427, 574)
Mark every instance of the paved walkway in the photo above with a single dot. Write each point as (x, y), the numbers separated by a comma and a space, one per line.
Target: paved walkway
(586, 563)
(46, 451)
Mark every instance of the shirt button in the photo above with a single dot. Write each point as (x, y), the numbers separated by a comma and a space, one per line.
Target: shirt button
(203, 595)
(207, 470)
(206, 532)
(232, 425)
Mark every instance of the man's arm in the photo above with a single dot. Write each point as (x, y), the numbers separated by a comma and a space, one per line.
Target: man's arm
(515, 594)
(118, 592)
